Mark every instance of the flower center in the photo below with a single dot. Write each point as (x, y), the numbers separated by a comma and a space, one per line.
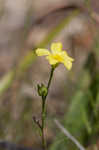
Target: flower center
(58, 58)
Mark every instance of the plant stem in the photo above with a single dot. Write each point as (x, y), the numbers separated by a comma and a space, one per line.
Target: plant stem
(43, 124)
(44, 109)
(51, 75)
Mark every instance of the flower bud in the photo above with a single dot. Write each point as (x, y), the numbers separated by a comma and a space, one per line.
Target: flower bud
(42, 90)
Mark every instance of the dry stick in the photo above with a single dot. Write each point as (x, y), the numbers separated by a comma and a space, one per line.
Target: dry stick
(64, 130)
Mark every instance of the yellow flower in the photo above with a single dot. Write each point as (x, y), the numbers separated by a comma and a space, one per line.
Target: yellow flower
(56, 56)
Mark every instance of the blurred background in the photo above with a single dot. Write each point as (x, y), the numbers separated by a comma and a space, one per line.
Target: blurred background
(73, 97)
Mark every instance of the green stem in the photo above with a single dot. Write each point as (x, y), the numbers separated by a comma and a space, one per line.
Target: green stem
(51, 75)
(43, 124)
(44, 109)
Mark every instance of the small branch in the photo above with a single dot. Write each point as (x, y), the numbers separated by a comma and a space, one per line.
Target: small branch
(64, 130)
(36, 121)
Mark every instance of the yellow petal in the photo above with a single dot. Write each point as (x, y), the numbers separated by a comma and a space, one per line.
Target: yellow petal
(68, 64)
(65, 56)
(64, 53)
(51, 60)
(56, 47)
(69, 58)
(42, 52)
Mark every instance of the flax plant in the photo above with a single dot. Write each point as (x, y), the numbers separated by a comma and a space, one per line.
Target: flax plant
(55, 57)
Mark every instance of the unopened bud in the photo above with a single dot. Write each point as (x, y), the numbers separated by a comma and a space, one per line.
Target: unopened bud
(42, 90)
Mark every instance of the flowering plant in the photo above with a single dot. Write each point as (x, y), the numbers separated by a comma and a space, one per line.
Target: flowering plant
(55, 57)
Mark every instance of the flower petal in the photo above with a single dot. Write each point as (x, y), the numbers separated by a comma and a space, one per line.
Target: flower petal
(68, 64)
(69, 58)
(65, 56)
(56, 47)
(51, 60)
(42, 52)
